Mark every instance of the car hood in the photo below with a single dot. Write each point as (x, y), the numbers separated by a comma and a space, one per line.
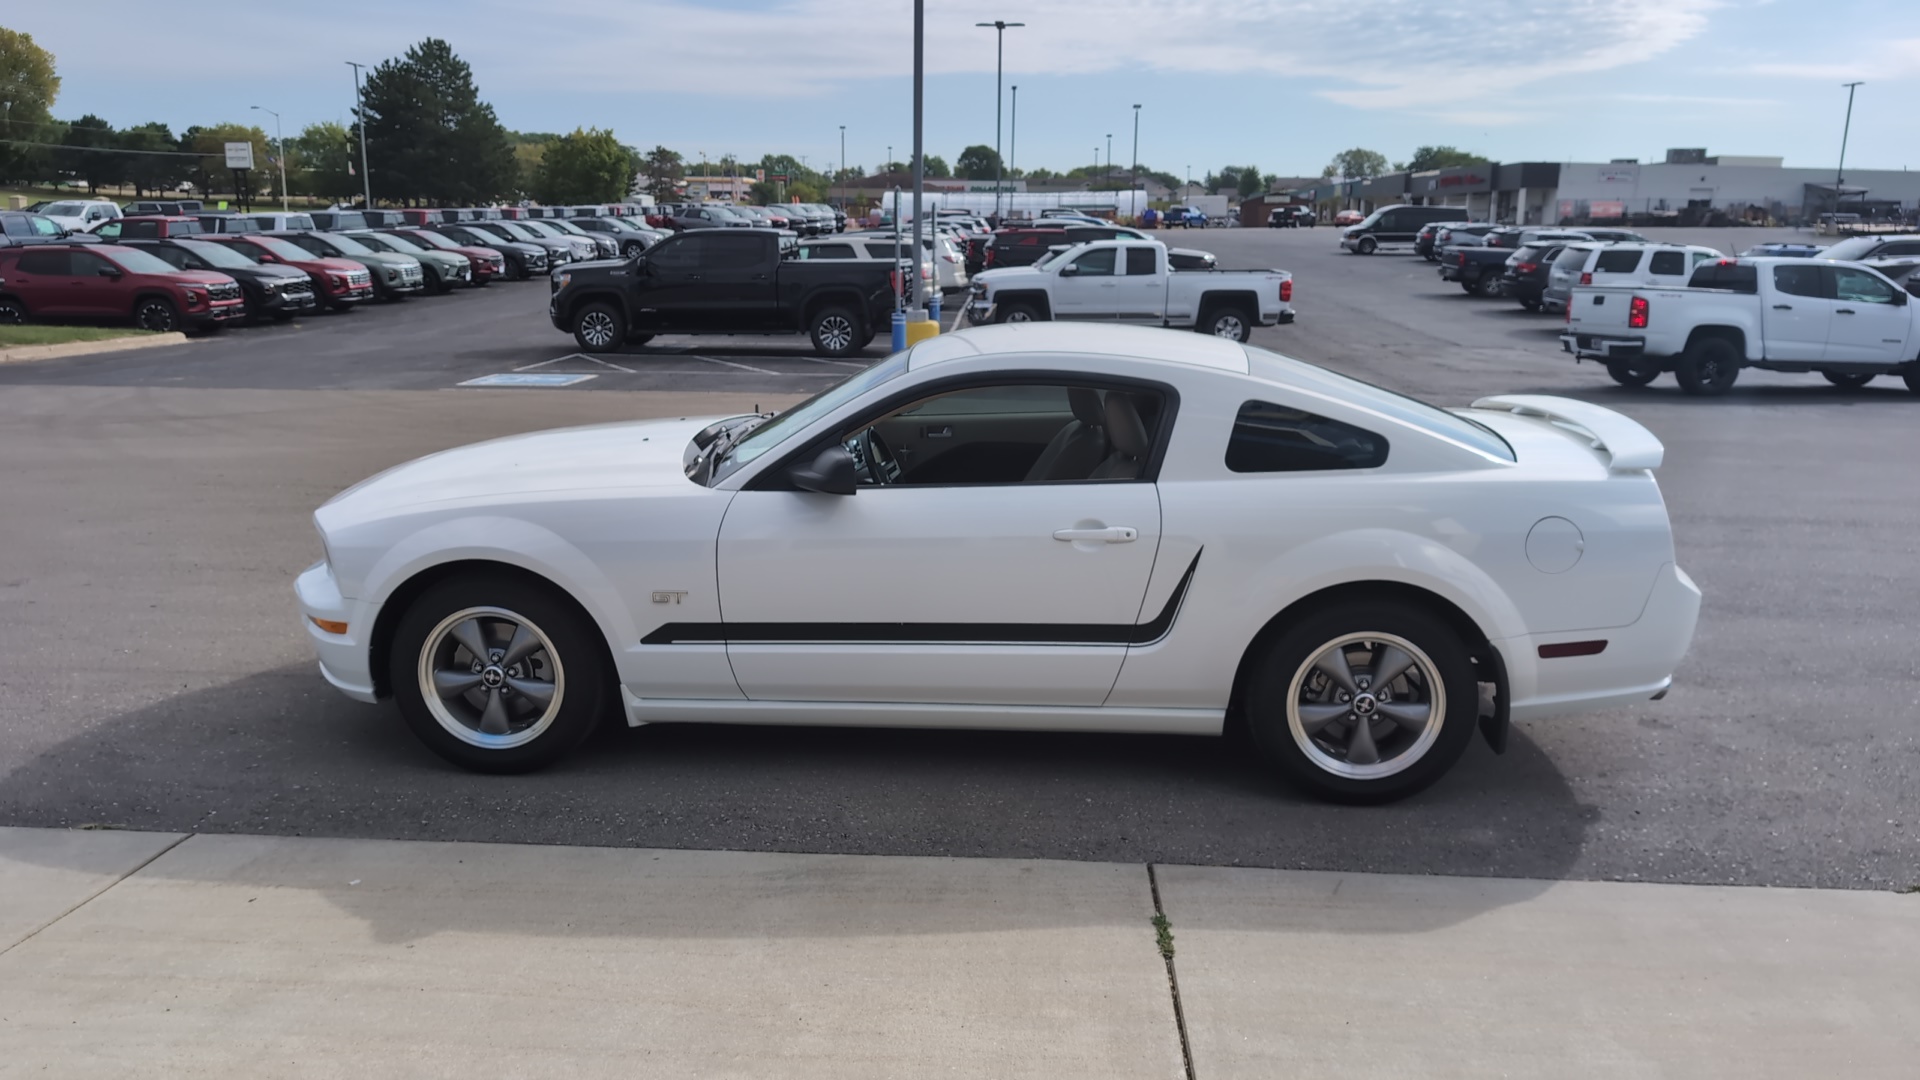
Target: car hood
(629, 456)
(1003, 274)
(200, 277)
(385, 258)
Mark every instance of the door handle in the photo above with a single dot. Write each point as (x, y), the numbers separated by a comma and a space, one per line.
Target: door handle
(1844, 311)
(1112, 534)
(944, 431)
(1783, 307)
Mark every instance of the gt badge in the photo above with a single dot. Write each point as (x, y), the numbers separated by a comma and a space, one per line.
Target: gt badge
(668, 597)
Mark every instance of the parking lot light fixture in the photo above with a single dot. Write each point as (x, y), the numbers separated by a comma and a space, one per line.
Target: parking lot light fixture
(1133, 180)
(280, 151)
(360, 107)
(999, 73)
(1840, 173)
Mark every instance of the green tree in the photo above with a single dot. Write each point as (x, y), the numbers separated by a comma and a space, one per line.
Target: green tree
(1252, 182)
(429, 135)
(664, 169)
(151, 166)
(1042, 174)
(28, 87)
(1227, 179)
(937, 167)
(588, 166)
(318, 160)
(1441, 157)
(977, 162)
(1354, 164)
(93, 162)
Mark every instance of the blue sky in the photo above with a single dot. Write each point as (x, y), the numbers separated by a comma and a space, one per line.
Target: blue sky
(1280, 85)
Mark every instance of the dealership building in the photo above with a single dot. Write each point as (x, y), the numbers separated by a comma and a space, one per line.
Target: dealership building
(1689, 187)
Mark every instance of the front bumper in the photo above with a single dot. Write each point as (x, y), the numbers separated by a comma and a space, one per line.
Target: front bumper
(1637, 663)
(289, 302)
(216, 311)
(344, 658)
(1597, 347)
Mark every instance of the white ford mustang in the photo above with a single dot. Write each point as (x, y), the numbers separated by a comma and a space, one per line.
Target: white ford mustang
(1050, 526)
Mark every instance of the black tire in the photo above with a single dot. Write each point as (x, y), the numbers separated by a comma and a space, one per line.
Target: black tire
(517, 270)
(599, 327)
(1627, 373)
(1708, 367)
(576, 663)
(156, 314)
(836, 331)
(1848, 380)
(1230, 321)
(12, 312)
(1017, 313)
(1486, 286)
(632, 248)
(435, 283)
(1366, 246)
(1427, 755)
(1911, 376)
(1531, 305)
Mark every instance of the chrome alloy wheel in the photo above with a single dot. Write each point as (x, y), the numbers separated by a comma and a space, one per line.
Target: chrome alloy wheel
(596, 329)
(1366, 706)
(836, 333)
(491, 678)
(1018, 315)
(1231, 327)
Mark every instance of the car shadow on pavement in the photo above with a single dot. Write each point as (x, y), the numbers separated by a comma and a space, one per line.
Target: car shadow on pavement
(280, 753)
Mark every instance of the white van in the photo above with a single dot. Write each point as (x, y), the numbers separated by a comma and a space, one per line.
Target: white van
(1621, 264)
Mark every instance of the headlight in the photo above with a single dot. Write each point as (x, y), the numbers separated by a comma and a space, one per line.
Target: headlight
(392, 274)
(560, 280)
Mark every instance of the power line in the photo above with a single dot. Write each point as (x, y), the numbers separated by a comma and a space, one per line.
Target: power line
(109, 149)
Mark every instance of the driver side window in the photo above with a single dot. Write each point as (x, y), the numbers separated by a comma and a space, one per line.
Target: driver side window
(1096, 263)
(1024, 433)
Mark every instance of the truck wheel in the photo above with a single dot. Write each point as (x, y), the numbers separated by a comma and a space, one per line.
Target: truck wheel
(836, 332)
(1366, 246)
(1531, 305)
(599, 328)
(1911, 375)
(1848, 380)
(1232, 323)
(1627, 373)
(1708, 367)
(1016, 313)
(1487, 286)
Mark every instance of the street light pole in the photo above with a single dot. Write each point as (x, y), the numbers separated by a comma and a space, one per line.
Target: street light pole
(1108, 175)
(1133, 179)
(999, 76)
(1840, 173)
(843, 166)
(282, 154)
(1013, 132)
(360, 107)
(919, 146)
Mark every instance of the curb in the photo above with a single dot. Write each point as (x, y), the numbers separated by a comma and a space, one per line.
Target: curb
(80, 348)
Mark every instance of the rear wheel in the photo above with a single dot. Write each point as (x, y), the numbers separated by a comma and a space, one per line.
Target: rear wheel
(157, 315)
(1366, 246)
(12, 312)
(1486, 285)
(1627, 373)
(1708, 367)
(497, 673)
(1848, 380)
(1366, 702)
(1530, 305)
(599, 328)
(1232, 323)
(835, 331)
(1911, 376)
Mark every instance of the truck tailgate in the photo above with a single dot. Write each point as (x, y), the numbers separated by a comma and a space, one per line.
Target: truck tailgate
(1599, 310)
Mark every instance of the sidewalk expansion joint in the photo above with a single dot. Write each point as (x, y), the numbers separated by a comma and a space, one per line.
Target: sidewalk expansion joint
(1163, 937)
(101, 891)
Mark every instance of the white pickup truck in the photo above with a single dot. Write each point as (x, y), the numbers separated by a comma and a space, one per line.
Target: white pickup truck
(1129, 281)
(1842, 320)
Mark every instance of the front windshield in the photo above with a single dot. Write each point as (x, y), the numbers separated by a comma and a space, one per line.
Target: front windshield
(348, 245)
(398, 243)
(517, 230)
(433, 239)
(288, 251)
(772, 433)
(565, 227)
(139, 262)
(1853, 247)
(218, 255)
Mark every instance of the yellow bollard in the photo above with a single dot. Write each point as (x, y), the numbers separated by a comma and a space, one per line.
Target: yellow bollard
(920, 330)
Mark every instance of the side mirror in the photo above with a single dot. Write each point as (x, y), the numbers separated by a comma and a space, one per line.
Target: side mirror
(831, 473)
(109, 272)
(1070, 270)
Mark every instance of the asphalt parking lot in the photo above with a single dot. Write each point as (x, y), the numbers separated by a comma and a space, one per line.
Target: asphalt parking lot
(156, 510)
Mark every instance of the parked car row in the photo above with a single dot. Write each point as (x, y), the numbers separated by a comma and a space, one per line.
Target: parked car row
(800, 219)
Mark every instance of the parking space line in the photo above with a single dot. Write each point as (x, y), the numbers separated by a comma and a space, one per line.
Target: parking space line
(578, 356)
(823, 360)
(731, 364)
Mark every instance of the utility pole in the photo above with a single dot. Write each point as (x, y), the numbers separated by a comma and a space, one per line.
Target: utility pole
(1133, 179)
(1013, 133)
(360, 107)
(843, 166)
(919, 148)
(282, 153)
(1840, 174)
(999, 74)
(1108, 175)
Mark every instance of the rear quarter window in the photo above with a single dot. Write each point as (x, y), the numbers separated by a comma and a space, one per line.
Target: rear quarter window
(1617, 262)
(1269, 438)
(1668, 263)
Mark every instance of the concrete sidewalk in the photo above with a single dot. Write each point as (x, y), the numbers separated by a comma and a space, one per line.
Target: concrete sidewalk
(143, 954)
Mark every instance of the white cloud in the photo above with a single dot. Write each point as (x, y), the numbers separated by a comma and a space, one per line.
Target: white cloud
(1889, 60)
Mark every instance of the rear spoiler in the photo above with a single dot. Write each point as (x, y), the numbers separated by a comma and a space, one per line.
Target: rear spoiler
(1629, 446)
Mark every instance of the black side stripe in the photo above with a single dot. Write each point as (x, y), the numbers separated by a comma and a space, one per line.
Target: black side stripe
(1147, 633)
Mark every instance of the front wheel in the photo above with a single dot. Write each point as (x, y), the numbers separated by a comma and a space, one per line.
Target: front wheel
(835, 331)
(1017, 313)
(1708, 367)
(1849, 380)
(1627, 373)
(498, 674)
(1531, 305)
(157, 315)
(12, 312)
(1365, 702)
(1366, 246)
(1231, 323)
(599, 328)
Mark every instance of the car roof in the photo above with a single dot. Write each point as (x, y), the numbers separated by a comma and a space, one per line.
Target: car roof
(1143, 343)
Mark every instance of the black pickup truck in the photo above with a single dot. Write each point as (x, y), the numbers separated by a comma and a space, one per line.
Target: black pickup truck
(723, 281)
(1481, 270)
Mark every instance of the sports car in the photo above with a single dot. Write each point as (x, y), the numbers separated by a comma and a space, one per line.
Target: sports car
(1048, 526)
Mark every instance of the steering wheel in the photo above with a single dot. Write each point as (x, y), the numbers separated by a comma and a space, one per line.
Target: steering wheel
(882, 466)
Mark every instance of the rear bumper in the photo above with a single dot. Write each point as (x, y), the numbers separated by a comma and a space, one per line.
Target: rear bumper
(1599, 347)
(1637, 663)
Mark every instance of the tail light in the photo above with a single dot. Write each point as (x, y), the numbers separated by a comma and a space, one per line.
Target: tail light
(1462, 257)
(1586, 278)
(893, 278)
(1569, 311)
(1527, 268)
(1637, 313)
(1286, 291)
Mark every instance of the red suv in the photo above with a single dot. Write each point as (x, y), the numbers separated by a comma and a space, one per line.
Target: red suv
(107, 281)
(338, 283)
(149, 227)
